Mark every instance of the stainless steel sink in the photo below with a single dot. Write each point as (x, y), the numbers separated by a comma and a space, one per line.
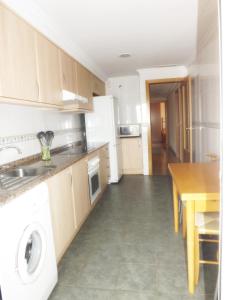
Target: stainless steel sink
(12, 179)
(27, 172)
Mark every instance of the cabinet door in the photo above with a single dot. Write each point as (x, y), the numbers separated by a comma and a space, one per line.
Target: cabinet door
(81, 191)
(132, 156)
(84, 85)
(48, 71)
(98, 86)
(18, 72)
(62, 210)
(68, 72)
(104, 167)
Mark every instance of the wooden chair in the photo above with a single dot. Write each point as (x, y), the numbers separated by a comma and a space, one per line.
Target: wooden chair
(205, 224)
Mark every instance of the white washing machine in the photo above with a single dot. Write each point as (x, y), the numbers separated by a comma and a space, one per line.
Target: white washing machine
(28, 267)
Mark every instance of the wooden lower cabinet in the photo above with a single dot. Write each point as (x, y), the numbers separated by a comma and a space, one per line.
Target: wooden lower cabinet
(70, 201)
(62, 210)
(104, 167)
(82, 204)
(132, 159)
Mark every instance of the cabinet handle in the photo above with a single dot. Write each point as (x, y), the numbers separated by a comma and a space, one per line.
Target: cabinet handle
(212, 156)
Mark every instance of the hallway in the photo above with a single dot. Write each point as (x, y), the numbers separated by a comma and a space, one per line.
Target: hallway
(161, 156)
(127, 249)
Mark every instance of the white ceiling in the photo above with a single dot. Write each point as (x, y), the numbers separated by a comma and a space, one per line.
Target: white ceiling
(154, 32)
(162, 90)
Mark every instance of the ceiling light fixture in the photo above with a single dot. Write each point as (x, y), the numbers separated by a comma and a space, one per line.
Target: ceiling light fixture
(124, 55)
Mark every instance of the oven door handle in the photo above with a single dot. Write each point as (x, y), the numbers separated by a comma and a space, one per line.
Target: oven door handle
(93, 171)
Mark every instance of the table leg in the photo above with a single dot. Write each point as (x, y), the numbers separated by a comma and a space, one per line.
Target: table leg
(184, 222)
(190, 214)
(175, 208)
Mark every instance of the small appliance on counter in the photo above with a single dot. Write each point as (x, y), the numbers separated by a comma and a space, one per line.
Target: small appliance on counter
(129, 130)
(45, 139)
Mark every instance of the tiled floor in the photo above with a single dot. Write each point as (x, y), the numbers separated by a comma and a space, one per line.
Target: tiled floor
(127, 249)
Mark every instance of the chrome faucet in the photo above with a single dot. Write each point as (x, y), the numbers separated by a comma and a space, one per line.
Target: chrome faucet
(11, 147)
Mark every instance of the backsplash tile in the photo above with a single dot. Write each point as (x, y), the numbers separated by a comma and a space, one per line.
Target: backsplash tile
(74, 133)
(19, 126)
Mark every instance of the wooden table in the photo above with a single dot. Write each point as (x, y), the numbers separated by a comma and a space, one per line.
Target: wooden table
(198, 186)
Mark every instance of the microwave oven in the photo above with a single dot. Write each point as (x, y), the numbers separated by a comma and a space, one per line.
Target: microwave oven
(131, 130)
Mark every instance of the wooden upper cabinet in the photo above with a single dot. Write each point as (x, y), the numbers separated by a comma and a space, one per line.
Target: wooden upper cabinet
(68, 72)
(32, 68)
(18, 76)
(98, 86)
(83, 81)
(50, 90)
(84, 85)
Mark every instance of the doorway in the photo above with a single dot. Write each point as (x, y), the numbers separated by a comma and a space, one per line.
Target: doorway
(170, 134)
(158, 123)
(158, 116)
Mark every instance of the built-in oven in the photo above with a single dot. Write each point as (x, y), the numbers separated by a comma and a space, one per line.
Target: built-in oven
(94, 178)
(129, 130)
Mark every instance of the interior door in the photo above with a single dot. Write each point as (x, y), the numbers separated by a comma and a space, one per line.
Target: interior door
(156, 123)
(187, 128)
(180, 125)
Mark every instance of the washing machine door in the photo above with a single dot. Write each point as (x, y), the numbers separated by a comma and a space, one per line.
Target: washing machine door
(31, 253)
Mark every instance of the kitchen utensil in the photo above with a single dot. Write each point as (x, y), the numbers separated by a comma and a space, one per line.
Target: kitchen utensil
(49, 137)
(42, 138)
(45, 150)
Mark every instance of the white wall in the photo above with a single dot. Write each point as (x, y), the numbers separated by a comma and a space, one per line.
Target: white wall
(205, 75)
(126, 90)
(19, 126)
(153, 74)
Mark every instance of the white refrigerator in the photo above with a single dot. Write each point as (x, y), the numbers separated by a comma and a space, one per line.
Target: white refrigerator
(102, 126)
